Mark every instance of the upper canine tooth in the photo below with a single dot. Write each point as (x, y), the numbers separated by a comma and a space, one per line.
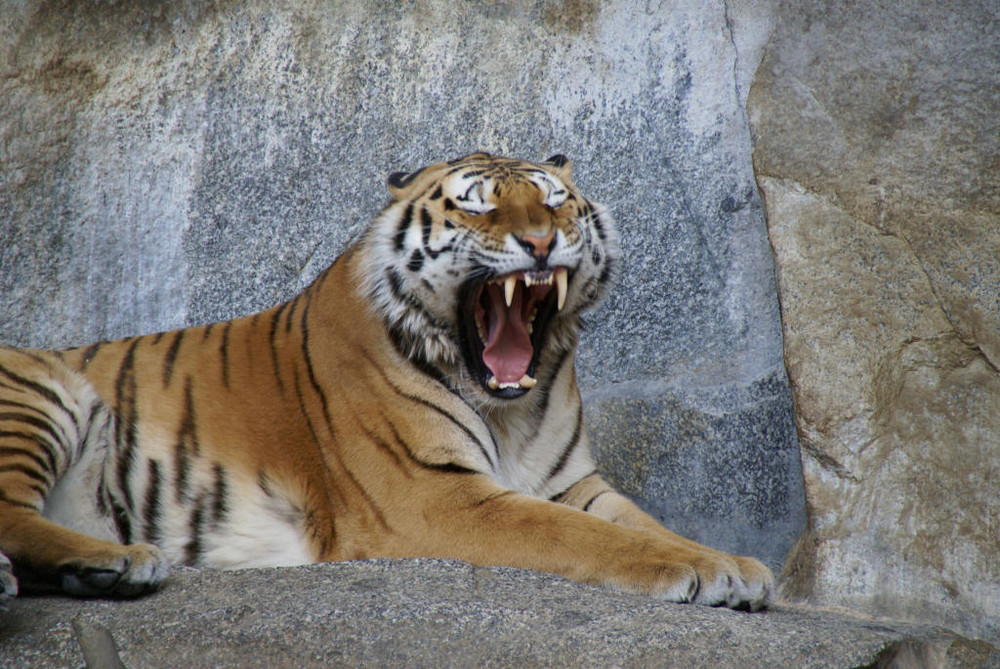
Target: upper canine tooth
(508, 289)
(561, 279)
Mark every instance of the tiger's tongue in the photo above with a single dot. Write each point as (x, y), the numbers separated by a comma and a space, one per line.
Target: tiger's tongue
(508, 344)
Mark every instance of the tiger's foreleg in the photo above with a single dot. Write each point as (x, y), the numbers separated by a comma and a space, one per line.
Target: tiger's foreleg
(726, 579)
(491, 525)
(8, 584)
(54, 440)
(47, 555)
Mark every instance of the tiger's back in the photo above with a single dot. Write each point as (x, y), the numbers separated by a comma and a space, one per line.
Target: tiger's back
(417, 399)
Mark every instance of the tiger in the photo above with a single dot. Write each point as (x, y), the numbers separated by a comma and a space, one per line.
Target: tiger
(418, 399)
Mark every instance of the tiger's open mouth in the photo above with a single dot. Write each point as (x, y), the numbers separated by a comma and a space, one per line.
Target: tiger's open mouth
(505, 320)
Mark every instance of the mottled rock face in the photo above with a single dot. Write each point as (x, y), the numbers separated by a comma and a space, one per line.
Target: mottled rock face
(876, 144)
(169, 164)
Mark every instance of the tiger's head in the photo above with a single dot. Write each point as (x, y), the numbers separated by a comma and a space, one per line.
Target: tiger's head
(482, 265)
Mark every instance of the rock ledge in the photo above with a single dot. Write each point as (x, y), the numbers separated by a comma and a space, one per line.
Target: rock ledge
(439, 613)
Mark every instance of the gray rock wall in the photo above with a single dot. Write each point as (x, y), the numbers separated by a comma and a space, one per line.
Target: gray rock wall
(877, 143)
(168, 164)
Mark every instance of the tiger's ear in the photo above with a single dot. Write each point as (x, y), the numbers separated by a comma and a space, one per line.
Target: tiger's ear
(403, 184)
(561, 164)
(400, 182)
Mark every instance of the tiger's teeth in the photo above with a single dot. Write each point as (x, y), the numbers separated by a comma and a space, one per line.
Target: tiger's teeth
(561, 280)
(508, 289)
(526, 382)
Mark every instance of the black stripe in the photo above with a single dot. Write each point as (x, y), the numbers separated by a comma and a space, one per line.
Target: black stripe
(171, 357)
(376, 511)
(156, 338)
(399, 342)
(126, 461)
(595, 220)
(15, 502)
(330, 488)
(272, 340)
(39, 389)
(605, 274)
(153, 504)
(402, 227)
(307, 359)
(590, 502)
(46, 447)
(41, 425)
(495, 496)
(187, 445)
(430, 405)
(317, 284)
(126, 425)
(396, 284)
(30, 472)
(61, 438)
(574, 441)
(264, 483)
(206, 333)
(416, 262)
(290, 314)
(101, 495)
(193, 549)
(89, 354)
(122, 521)
(543, 402)
(220, 495)
(565, 490)
(383, 446)
(91, 421)
(396, 287)
(13, 451)
(446, 467)
(224, 354)
(182, 472)
(426, 224)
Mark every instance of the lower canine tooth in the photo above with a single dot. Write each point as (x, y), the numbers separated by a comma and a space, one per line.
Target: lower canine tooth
(493, 383)
(527, 382)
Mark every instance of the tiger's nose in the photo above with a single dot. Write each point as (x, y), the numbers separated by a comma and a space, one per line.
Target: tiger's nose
(540, 247)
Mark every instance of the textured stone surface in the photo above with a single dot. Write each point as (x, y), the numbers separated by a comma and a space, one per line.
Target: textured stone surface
(435, 613)
(876, 144)
(723, 463)
(167, 164)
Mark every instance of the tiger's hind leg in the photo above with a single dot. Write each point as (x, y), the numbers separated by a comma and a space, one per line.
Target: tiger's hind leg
(55, 437)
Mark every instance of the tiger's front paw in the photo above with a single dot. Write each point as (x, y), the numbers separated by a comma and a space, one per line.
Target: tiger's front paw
(131, 571)
(732, 581)
(8, 584)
